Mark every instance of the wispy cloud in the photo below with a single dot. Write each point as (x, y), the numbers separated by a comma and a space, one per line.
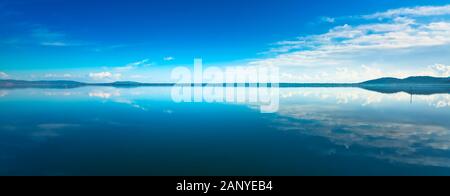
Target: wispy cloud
(134, 65)
(37, 34)
(105, 76)
(46, 37)
(130, 71)
(328, 19)
(398, 34)
(51, 75)
(169, 58)
(346, 48)
(411, 12)
(61, 44)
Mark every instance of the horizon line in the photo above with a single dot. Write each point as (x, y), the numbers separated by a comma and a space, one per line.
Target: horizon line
(213, 83)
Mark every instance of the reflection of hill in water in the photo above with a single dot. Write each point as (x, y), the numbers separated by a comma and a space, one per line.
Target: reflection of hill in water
(415, 89)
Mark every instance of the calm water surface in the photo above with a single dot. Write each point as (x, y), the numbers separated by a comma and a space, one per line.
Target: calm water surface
(141, 131)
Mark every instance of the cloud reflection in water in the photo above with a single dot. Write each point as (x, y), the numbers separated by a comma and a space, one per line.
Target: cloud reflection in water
(399, 130)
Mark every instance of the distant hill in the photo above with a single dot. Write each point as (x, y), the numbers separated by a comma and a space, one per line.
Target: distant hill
(422, 85)
(129, 84)
(411, 85)
(40, 84)
(410, 80)
(71, 84)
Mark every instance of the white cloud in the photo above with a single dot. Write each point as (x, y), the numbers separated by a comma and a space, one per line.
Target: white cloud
(341, 74)
(134, 65)
(440, 70)
(50, 75)
(348, 40)
(399, 40)
(61, 44)
(328, 19)
(3, 75)
(143, 62)
(169, 58)
(413, 12)
(105, 75)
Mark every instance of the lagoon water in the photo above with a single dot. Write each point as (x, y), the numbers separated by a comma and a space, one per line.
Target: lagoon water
(141, 131)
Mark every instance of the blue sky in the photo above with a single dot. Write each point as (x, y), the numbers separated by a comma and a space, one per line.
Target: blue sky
(320, 41)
